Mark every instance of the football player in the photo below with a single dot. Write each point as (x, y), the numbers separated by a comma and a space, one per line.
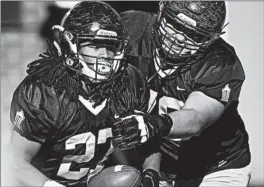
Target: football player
(63, 110)
(195, 79)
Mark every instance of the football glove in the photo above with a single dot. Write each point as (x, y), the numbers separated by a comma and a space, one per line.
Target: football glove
(150, 178)
(138, 128)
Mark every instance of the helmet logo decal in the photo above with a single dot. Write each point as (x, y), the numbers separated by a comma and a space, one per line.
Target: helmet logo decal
(186, 19)
(196, 7)
(225, 93)
(19, 118)
(106, 32)
(95, 26)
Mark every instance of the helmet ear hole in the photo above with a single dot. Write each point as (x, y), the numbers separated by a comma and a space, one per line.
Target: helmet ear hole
(68, 35)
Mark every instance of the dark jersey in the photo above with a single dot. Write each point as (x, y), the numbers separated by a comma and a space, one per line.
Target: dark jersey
(75, 137)
(218, 74)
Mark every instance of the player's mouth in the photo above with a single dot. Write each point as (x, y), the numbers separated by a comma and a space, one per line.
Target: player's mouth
(103, 67)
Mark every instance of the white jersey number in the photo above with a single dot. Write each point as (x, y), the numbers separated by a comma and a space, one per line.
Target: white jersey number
(164, 103)
(89, 139)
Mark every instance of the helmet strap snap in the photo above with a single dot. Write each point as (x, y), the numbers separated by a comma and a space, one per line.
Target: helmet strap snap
(69, 61)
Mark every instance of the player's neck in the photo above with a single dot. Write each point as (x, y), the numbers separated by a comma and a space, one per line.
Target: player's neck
(86, 87)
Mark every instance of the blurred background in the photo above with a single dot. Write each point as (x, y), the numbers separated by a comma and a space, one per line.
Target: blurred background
(26, 24)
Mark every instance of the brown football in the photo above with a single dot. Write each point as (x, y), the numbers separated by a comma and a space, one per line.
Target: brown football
(117, 176)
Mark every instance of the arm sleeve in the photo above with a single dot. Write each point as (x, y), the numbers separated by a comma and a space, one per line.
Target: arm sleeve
(34, 112)
(223, 84)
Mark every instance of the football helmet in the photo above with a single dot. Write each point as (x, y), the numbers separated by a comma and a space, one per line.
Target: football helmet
(185, 28)
(95, 25)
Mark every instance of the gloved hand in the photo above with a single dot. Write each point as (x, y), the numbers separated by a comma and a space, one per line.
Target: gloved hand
(138, 128)
(150, 178)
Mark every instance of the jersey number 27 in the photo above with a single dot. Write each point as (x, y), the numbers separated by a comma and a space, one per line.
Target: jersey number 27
(89, 140)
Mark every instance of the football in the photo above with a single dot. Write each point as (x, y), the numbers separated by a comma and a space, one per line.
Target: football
(117, 176)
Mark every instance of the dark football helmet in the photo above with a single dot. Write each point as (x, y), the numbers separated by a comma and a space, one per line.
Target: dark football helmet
(185, 28)
(97, 25)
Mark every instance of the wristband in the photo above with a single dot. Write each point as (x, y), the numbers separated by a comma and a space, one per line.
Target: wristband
(163, 124)
(52, 183)
(168, 122)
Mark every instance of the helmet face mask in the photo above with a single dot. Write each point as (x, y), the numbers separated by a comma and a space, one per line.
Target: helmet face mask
(177, 40)
(94, 37)
(99, 59)
(185, 28)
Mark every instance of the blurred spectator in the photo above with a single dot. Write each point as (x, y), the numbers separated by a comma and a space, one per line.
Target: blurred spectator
(55, 12)
(10, 15)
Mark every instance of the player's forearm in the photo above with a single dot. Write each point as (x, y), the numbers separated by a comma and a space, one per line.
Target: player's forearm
(186, 123)
(152, 162)
(198, 112)
(26, 174)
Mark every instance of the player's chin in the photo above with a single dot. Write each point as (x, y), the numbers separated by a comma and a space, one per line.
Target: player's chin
(101, 78)
(101, 75)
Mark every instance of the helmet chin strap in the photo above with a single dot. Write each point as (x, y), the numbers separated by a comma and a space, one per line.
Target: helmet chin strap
(157, 64)
(117, 60)
(91, 74)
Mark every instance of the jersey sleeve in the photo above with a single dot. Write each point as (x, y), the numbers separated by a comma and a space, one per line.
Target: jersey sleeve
(221, 80)
(34, 111)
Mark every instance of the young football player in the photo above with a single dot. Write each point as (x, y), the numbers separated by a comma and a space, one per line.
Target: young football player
(62, 112)
(195, 79)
